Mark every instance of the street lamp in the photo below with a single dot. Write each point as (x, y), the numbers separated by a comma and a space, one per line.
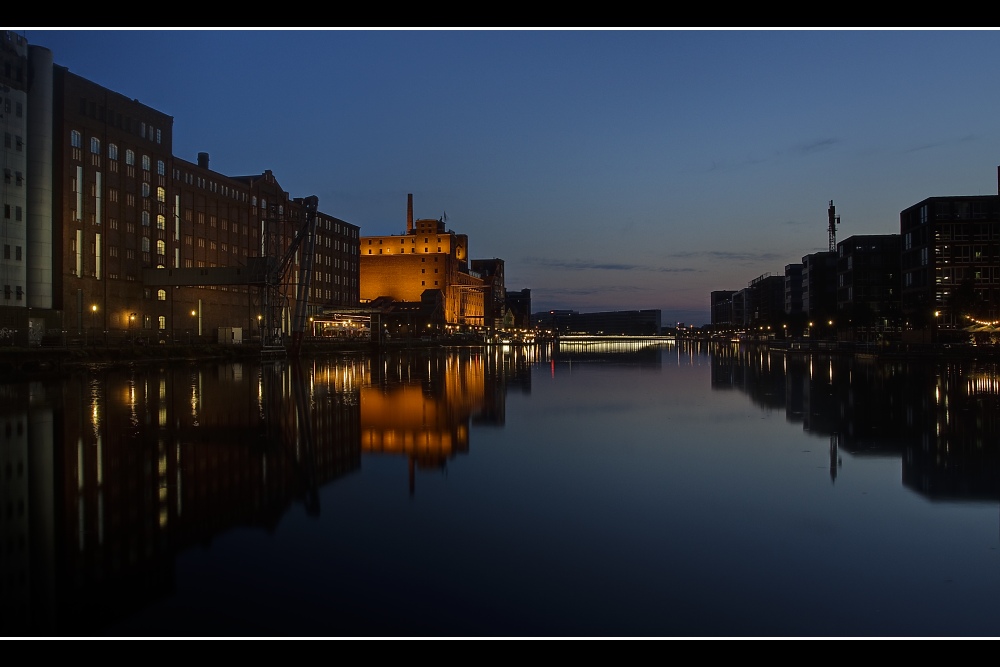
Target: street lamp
(194, 313)
(93, 317)
(131, 321)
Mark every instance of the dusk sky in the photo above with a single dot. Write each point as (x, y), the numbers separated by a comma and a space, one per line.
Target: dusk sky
(609, 169)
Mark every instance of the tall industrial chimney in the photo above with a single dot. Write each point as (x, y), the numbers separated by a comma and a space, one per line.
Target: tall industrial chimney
(203, 160)
(409, 213)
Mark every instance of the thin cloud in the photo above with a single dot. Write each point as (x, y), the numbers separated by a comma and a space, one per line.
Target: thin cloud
(588, 291)
(937, 144)
(815, 146)
(728, 256)
(588, 265)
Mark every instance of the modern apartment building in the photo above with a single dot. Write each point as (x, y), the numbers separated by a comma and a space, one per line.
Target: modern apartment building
(950, 264)
(868, 285)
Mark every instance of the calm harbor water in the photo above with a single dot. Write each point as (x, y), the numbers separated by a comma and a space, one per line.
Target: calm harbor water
(680, 490)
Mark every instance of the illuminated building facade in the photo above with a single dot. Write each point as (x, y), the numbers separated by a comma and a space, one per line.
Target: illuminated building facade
(119, 227)
(427, 257)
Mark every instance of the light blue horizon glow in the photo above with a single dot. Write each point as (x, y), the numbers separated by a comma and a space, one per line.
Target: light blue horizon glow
(609, 169)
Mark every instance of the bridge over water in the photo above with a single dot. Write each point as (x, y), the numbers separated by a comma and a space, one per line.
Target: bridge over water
(609, 343)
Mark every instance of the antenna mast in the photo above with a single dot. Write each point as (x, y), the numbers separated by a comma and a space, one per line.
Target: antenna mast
(834, 221)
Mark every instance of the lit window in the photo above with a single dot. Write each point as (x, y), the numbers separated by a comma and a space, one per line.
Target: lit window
(129, 157)
(161, 194)
(161, 222)
(161, 248)
(161, 295)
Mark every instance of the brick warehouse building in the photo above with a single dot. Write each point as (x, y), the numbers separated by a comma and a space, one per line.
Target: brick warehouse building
(117, 238)
(428, 258)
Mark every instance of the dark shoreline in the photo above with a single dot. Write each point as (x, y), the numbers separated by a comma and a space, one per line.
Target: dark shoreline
(20, 362)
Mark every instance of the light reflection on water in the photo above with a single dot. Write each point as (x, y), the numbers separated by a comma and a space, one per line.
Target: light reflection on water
(669, 490)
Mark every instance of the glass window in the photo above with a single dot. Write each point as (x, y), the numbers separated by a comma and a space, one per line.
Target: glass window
(76, 139)
(129, 157)
(145, 244)
(145, 218)
(161, 222)
(161, 168)
(145, 162)
(161, 194)
(95, 145)
(112, 151)
(145, 189)
(161, 248)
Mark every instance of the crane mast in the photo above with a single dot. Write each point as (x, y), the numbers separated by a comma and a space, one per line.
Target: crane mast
(275, 280)
(308, 236)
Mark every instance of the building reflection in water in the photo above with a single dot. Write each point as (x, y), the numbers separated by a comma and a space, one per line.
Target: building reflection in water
(421, 404)
(108, 475)
(938, 417)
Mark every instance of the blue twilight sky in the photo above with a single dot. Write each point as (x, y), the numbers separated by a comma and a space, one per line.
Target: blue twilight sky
(609, 169)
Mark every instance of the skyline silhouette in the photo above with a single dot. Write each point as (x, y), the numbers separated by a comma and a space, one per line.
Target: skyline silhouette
(610, 169)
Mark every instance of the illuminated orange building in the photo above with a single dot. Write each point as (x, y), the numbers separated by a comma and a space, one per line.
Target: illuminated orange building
(427, 257)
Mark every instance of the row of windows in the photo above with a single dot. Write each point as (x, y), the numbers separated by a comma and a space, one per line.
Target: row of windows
(211, 186)
(402, 240)
(412, 250)
(6, 252)
(9, 177)
(110, 116)
(18, 212)
(13, 141)
(18, 107)
(76, 141)
(18, 293)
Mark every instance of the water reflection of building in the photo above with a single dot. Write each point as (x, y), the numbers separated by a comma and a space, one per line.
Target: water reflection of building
(127, 469)
(939, 419)
(421, 404)
(17, 550)
(108, 476)
(953, 452)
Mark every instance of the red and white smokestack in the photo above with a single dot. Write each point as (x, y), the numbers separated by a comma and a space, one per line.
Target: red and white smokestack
(409, 213)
